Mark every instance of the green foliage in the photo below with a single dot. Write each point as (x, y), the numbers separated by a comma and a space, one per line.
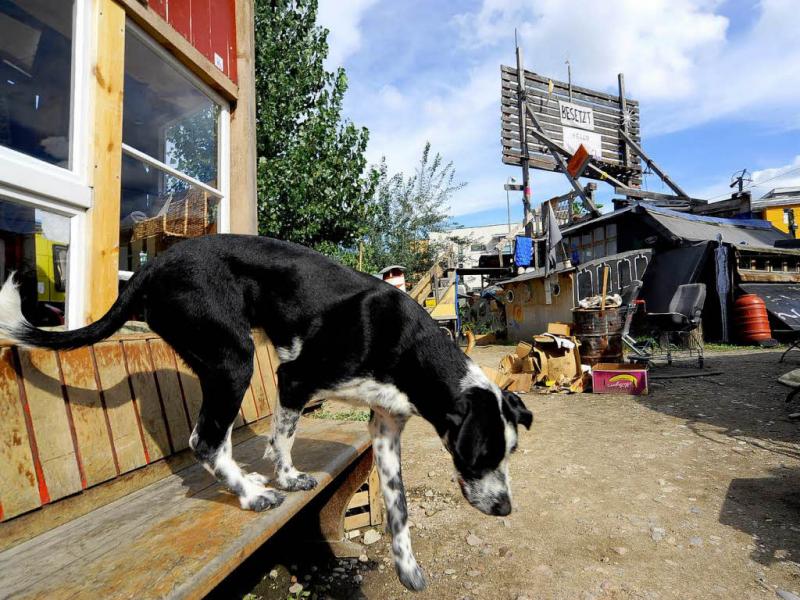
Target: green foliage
(313, 182)
(405, 211)
(355, 414)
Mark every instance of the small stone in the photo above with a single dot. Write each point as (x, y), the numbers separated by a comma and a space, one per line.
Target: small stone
(429, 493)
(363, 558)
(307, 578)
(293, 568)
(696, 542)
(431, 474)
(694, 510)
(273, 574)
(358, 578)
(504, 550)
(473, 573)
(293, 579)
(371, 536)
(621, 550)
(787, 595)
(296, 588)
(474, 540)
(657, 533)
(449, 571)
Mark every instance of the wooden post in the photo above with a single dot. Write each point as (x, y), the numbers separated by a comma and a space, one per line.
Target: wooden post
(243, 196)
(623, 107)
(108, 77)
(527, 219)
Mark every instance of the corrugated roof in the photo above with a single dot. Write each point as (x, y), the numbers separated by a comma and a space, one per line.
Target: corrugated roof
(697, 228)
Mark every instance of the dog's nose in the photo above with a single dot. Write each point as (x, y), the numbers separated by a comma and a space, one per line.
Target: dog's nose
(502, 507)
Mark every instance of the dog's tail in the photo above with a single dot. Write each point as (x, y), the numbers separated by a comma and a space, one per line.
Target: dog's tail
(15, 326)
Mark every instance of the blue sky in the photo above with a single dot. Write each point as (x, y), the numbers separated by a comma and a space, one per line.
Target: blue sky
(718, 84)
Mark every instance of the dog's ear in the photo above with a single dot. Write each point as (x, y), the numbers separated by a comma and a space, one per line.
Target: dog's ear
(514, 407)
(475, 443)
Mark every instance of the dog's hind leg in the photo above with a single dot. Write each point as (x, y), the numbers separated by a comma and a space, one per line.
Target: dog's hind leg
(385, 430)
(291, 399)
(224, 377)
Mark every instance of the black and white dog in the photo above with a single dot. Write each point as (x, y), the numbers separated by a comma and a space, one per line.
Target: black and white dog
(338, 334)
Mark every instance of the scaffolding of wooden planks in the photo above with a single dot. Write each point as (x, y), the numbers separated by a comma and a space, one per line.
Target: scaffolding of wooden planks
(542, 96)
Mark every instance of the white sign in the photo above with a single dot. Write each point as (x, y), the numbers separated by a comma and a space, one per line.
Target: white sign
(590, 140)
(576, 116)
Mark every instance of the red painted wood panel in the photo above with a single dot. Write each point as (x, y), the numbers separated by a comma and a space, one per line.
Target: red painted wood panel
(179, 15)
(201, 27)
(209, 25)
(160, 6)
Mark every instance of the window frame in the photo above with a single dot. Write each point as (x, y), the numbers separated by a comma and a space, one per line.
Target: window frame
(223, 133)
(67, 192)
(68, 185)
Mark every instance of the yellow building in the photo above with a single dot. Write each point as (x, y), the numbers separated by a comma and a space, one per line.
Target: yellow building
(781, 207)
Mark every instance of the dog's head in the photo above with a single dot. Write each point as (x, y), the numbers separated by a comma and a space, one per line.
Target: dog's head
(481, 434)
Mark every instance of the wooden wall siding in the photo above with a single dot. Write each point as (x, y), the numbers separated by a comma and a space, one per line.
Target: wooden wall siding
(209, 25)
(70, 420)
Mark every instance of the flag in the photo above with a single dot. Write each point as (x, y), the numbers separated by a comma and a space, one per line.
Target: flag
(553, 239)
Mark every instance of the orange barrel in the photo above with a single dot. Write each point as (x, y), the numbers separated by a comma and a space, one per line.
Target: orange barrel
(751, 320)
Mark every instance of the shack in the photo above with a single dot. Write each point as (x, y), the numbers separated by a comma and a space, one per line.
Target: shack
(664, 248)
(121, 122)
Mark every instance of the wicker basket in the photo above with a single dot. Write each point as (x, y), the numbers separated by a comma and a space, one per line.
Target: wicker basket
(186, 217)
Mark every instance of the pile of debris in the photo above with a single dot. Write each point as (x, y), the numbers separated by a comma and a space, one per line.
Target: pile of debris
(552, 362)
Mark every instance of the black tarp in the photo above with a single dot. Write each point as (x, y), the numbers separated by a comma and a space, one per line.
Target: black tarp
(667, 271)
(782, 300)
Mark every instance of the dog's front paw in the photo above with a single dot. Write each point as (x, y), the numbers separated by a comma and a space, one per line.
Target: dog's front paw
(263, 501)
(298, 482)
(412, 577)
(257, 478)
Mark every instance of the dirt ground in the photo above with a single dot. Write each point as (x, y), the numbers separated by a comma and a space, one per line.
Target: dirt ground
(690, 492)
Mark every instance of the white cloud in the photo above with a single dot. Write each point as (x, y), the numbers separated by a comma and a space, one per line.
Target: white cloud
(762, 181)
(686, 63)
(342, 19)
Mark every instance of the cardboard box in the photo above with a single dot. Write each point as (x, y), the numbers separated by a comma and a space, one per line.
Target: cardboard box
(528, 365)
(524, 349)
(617, 378)
(496, 376)
(558, 328)
(554, 363)
(520, 383)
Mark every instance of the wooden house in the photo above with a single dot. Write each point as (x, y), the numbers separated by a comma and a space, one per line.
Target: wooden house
(125, 126)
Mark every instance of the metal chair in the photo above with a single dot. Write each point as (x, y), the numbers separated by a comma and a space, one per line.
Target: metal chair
(682, 320)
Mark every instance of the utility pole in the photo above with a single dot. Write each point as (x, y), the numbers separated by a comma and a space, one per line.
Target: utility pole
(527, 218)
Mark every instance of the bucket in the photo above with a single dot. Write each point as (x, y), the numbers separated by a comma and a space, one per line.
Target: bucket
(600, 335)
(750, 319)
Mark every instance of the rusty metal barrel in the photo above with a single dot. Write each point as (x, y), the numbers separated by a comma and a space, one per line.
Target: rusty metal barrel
(750, 320)
(600, 335)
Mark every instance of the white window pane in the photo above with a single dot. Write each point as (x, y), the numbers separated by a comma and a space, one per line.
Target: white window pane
(35, 244)
(167, 116)
(159, 210)
(36, 78)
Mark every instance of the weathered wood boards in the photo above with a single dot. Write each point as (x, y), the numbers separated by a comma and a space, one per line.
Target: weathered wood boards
(548, 99)
(73, 419)
(179, 537)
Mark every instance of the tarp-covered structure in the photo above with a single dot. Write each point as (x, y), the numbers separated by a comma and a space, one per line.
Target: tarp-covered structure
(731, 256)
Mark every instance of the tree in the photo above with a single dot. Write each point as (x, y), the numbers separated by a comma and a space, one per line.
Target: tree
(405, 211)
(313, 182)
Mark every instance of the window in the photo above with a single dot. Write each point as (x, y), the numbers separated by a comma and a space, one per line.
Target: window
(173, 140)
(477, 248)
(34, 243)
(44, 174)
(36, 78)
